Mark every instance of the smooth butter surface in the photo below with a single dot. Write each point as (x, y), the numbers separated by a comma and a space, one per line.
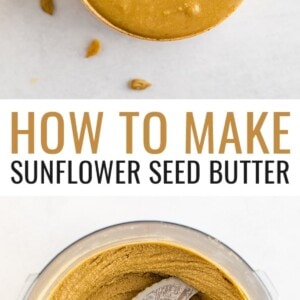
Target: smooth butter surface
(121, 273)
(163, 19)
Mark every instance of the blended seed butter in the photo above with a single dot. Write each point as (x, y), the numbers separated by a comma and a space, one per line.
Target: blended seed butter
(163, 19)
(122, 272)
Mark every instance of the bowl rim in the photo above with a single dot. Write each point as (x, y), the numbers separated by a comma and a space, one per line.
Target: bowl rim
(168, 225)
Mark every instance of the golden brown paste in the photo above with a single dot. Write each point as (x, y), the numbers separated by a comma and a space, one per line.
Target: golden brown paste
(163, 19)
(121, 273)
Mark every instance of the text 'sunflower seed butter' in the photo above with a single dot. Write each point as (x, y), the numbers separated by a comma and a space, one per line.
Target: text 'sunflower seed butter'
(139, 259)
(162, 19)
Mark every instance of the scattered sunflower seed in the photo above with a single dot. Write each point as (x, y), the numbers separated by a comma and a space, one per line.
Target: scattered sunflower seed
(47, 6)
(93, 48)
(139, 84)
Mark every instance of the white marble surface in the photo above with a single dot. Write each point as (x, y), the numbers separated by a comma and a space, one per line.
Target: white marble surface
(254, 54)
(264, 231)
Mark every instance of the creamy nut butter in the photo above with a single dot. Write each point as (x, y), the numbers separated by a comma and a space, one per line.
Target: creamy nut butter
(162, 19)
(122, 272)
(124, 261)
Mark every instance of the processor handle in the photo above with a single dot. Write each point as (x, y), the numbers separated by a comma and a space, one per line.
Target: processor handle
(29, 281)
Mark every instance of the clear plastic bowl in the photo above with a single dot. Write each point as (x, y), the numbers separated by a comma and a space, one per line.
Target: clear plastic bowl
(210, 248)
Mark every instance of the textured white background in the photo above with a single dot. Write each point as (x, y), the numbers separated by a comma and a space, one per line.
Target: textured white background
(253, 54)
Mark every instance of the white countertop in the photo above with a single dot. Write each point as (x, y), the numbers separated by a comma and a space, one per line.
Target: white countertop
(253, 54)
